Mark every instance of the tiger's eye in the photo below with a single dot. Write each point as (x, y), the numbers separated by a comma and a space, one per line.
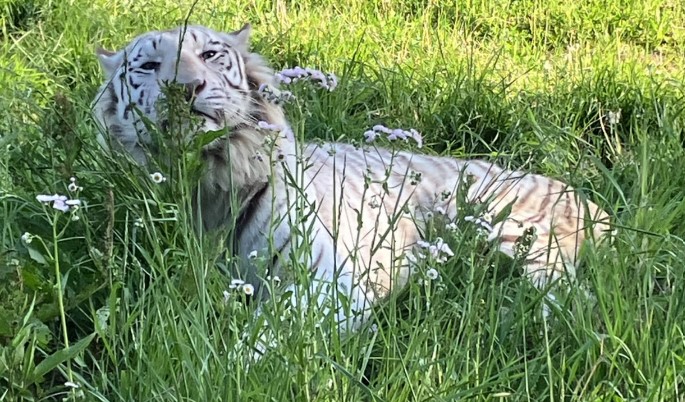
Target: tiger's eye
(208, 54)
(150, 65)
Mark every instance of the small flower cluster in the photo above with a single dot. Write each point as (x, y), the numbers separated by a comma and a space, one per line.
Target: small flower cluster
(238, 285)
(438, 251)
(432, 274)
(27, 238)
(275, 95)
(285, 131)
(59, 202)
(483, 221)
(157, 178)
(73, 187)
(393, 134)
(289, 75)
(614, 117)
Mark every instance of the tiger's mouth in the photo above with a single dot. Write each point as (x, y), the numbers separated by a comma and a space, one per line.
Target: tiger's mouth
(212, 117)
(204, 117)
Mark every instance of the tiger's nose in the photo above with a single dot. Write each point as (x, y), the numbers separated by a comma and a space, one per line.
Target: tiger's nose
(194, 88)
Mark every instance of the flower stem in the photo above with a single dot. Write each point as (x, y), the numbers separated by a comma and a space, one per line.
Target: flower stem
(60, 294)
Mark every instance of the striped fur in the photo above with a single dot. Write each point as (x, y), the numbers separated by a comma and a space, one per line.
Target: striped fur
(359, 210)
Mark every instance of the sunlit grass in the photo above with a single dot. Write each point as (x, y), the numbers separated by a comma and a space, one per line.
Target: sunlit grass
(530, 84)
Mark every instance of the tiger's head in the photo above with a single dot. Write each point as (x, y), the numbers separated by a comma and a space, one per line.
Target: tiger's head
(221, 77)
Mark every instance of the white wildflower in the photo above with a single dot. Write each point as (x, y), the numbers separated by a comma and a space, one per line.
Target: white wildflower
(70, 384)
(423, 244)
(445, 249)
(138, 223)
(614, 117)
(268, 126)
(451, 226)
(398, 134)
(374, 328)
(432, 274)
(284, 131)
(73, 187)
(274, 95)
(332, 81)
(59, 202)
(236, 283)
(290, 75)
(252, 255)
(370, 135)
(227, 296)
(393, 134)
(379, 128)
(482, 222)
(60, 205)
(248, 289)
(442, 247)
(157, 178)
(275, 279)
(27, 238)
(47, 198)
(440, 210)
(439, 250)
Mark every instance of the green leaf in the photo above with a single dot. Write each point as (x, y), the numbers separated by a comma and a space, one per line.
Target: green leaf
(61, 356)
(36, 255)
(207, 137)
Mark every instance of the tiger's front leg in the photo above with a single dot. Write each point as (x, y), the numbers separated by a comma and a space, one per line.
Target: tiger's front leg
(330, 295)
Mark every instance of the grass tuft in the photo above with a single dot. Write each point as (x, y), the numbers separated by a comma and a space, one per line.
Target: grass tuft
(127, 303)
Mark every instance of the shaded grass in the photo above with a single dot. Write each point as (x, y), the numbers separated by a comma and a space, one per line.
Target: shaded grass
(527, 83)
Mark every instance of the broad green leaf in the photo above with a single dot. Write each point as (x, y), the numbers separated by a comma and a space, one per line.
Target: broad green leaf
(61, 356)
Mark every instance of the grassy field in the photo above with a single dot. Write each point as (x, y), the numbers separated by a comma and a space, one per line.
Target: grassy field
(122, 300)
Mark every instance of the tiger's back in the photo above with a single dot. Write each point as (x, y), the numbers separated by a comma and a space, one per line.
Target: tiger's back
(377, 201)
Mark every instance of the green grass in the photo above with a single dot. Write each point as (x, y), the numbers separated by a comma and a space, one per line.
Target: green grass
(528, 83)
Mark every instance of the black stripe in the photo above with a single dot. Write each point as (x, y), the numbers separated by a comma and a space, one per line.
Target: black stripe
(279, 254)
(247, 213)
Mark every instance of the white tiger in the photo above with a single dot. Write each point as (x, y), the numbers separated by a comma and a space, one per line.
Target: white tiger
(360, 210)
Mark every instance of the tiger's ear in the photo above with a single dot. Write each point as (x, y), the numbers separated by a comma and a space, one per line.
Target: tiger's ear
(241, 37)
(110, 61)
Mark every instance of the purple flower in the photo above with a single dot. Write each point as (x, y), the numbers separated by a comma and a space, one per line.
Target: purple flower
(393, 134)
(291, 75)
(381, 129)
(275, 95)
(285, 131)
(370, 135)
